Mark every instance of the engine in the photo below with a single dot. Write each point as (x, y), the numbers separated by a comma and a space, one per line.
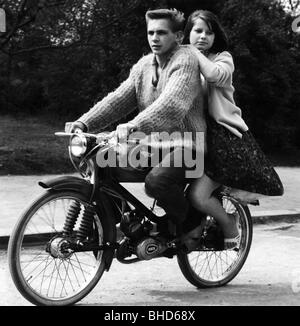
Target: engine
(138, 240)
(150, 248)
(134, 226)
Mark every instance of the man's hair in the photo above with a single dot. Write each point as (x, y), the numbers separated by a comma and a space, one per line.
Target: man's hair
(173, 15)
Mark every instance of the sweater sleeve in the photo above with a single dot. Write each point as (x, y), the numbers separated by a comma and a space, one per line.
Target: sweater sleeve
(114, 106)
(223, 70)
(169, 109)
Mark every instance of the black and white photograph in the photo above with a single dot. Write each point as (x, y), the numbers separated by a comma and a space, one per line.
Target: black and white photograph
(149, 155)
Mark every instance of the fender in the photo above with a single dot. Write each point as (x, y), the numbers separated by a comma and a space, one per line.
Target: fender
(68, 183)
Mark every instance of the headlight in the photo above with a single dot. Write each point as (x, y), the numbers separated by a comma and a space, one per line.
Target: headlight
(78, 145)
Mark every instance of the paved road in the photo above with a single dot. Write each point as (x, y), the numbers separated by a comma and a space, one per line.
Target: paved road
(270, 276)
(16, 192)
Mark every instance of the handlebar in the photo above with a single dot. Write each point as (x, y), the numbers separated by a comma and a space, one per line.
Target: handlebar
(99, 137)
(111, 138)
(69, 134)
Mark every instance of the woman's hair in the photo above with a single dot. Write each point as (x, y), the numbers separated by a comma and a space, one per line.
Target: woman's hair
(221, 41)
(175, 17)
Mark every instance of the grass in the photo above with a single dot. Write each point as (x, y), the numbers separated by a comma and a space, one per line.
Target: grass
(28, 146)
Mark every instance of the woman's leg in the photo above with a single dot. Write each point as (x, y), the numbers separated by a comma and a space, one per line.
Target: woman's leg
(201, 198)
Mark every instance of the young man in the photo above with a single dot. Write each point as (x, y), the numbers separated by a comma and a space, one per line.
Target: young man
(165, 87)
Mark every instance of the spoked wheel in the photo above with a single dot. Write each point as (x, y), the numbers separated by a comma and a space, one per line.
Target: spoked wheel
(42, 268)
(212, 267)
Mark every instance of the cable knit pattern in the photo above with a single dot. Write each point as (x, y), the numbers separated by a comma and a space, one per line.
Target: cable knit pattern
(175, 104)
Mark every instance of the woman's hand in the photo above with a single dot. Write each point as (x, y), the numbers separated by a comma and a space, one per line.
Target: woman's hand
(193, 49)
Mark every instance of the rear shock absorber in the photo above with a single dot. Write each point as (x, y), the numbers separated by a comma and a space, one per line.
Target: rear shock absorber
(71, 218)
(86, 222)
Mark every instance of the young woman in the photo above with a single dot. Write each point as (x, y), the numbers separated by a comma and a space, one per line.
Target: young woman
(233, 158)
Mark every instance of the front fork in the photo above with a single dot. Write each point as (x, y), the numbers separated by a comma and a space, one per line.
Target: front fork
(75, 209)
(86, 221)
(85, 228)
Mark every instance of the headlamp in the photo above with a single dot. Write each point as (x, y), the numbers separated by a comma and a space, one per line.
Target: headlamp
(78, 145)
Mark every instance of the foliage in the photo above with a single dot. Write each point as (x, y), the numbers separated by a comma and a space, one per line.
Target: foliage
(292, 6)
(267, 60)
(58, 57)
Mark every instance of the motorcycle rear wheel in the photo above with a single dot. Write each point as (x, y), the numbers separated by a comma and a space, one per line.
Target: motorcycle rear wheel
(52, 276)
(215, 268)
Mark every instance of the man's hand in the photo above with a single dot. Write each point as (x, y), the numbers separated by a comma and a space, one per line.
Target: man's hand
(78, 126)
(124, 130)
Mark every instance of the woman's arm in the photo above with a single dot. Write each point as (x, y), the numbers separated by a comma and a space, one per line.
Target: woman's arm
(219, 70)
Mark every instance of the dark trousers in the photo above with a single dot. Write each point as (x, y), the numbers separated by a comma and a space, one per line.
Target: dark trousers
(167, 183)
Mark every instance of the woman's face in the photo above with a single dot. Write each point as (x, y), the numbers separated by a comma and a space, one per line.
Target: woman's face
(201, 36)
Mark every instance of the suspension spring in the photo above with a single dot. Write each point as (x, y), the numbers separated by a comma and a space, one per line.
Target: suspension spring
(86, 222)
(71, 218)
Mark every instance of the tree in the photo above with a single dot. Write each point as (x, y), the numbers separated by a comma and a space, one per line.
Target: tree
(292, 6)
(61, 56)
(267, 69)
(75, 51)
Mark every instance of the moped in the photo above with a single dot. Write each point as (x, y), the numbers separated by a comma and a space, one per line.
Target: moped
(65, 240)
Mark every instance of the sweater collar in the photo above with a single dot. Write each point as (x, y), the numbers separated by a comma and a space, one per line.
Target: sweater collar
(155, 65)
(168, 57)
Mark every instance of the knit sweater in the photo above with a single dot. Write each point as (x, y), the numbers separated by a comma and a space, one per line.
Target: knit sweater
(175, 104)
(221, 104)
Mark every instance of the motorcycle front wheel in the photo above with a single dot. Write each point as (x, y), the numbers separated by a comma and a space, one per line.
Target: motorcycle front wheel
(42, 271)
(209, 267)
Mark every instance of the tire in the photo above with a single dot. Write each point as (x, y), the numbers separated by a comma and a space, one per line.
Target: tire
(45, 278)
(215, 268)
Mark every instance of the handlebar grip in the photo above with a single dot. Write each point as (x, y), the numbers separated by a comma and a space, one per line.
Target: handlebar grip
(63, 134)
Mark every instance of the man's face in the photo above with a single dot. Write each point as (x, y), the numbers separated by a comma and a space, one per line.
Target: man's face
(161, 38)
